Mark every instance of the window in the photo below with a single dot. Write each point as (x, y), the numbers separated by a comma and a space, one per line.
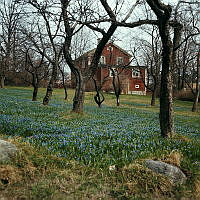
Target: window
(89, 60)
(120, 60)
(137, 86)
(135, 73)
(102, 60)
(111, 72)
(110, 48)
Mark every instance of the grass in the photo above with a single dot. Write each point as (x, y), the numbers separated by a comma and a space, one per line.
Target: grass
(68, 156)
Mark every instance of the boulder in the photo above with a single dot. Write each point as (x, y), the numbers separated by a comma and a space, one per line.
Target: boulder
(171, 171)
(7, 150)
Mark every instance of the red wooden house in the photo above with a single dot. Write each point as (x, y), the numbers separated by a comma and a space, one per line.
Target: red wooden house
(132, 78)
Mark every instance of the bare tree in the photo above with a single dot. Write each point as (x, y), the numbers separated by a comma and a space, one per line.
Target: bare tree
(99, 97)
(187, 64)
(150, 50)
(10, 14)
(38, 70)
(197, 89)
(82, 78)
(192, 78)
(64, 77)
(116, 84)
(110, 16)
(49, 38)
(163, 13)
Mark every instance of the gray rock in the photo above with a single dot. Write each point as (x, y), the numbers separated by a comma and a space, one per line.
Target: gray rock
(7, 150)
(171, 171)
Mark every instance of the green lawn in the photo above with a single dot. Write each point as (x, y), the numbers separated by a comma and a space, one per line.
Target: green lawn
(67, 156)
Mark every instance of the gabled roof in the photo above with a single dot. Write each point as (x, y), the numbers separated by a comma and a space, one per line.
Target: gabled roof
(123, 66)
(92, 51)
(118, 47)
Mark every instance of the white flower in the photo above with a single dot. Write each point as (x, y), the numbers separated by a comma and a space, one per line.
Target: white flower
(112, 167)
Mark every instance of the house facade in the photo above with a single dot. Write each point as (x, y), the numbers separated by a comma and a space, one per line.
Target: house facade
(114, 61)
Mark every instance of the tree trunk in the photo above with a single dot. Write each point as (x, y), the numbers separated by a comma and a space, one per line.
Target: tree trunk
(98, 98)
(35, 91)
(65, 89)
(118, 100)
(153, 97)
(50, 86)
(166, 99)
(196, 99)
(116, 86)
(35, 86)
(179, 79)
(48, 95)
(163, 13)
(2, 82)
(183, 78)
(78, 100)
(166, 104)
(195, 103)
(63, 81)
(98, 95)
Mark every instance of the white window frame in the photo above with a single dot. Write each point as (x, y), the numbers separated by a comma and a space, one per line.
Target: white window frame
(120, 60)
(110, 48)
(137, 86)
(135, 73)
(102, 60)
(89, 60)
(111, 73)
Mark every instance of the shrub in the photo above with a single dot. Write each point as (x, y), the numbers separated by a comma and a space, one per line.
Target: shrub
(184, 95)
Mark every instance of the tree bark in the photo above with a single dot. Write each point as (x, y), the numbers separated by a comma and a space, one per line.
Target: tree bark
(35, 91)
(65, 90)
(163, 13)
(98, 95)
(196, 99)
(50, 86)
(35, 86)
(166, 99)
(48, 95)
(179, 79)
(63, 81)
(2, 82)
(116, 86)
(183, 78)
(154, 94)
(78, 100)
(118, 101)
(80, 82)
(195, 103)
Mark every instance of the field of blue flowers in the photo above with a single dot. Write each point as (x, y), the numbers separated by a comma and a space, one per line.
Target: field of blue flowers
(103, 136)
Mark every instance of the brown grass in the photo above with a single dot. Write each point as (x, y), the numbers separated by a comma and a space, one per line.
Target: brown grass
(181, 138)
(36, 174)
(174, 158)
(9, 174)
(141, 180)
(197, 187)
